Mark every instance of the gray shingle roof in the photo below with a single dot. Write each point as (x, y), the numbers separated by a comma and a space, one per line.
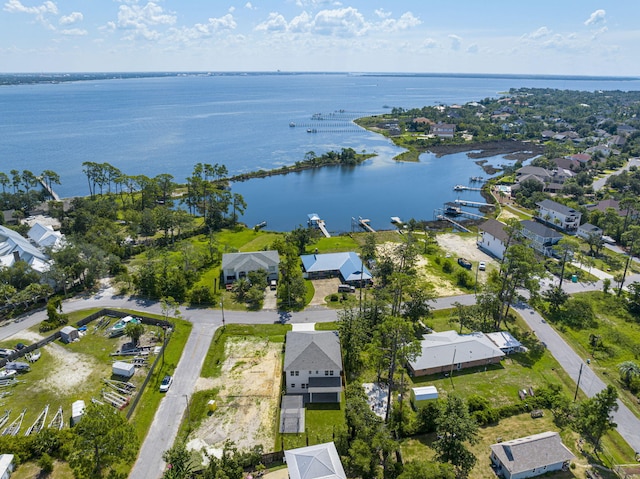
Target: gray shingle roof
(539, 229)
(315, 462)
(312, 350)
(558, 207)
(532, 452)
(495, 228)
(250, 261)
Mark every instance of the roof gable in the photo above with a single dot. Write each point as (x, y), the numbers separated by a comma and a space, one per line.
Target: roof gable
(495, 228)
(312, 350)
(250, 261)
(538, 229)
(532, 452)
(315, 462)
(557, 207)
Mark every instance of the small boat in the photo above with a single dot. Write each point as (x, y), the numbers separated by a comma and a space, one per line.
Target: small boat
(475, 179)
(260, 225)
(460, 188)
(292, 125)
(7, 373)
(118, 328)
(33, 356)
(396, 220)
(312, 130)
(465, 263)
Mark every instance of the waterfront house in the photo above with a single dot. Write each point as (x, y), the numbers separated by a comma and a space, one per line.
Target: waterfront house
(313, 365)
(530, 456)
(443, 130)
(493, 238)
(447, 351)
(559, 216)
(346, 266)
(541, 237)
(320, 461)
(238, 265)
(44, 236)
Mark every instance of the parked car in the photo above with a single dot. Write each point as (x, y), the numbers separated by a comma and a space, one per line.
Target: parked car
(273, 285)
(482, 266)
(166, 384)
(346, 288)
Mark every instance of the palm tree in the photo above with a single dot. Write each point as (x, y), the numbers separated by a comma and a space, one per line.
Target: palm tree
(628, 370)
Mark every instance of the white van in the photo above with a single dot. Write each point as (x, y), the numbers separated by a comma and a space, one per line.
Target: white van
(346, 288)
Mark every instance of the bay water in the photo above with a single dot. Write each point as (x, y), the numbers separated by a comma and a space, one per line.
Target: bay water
(167, 125)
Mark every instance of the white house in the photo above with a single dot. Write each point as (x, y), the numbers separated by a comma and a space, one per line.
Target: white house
(558, 215)
(44, 236)
(493, 238)
(588, 230)
(238, 265)
(14, 247)
(314, 462)
(530, 456)
(505, 341)
(313, 365)
(443, 352)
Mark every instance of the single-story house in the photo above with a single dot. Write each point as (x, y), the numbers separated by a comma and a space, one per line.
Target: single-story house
(493, 238)
(505, 341)
(588, 230)
(530, 456)
(69, 334)
(313, 365)
(420, 396)
(347, 266)
(558, 215)
(6, 465)
(238, 265)
(542, 237)
(443, 352)
(314, 462)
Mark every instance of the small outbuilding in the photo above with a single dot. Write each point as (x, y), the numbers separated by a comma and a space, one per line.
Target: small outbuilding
(120, 368)
(69, 334)
(420, 396)
(77, 411)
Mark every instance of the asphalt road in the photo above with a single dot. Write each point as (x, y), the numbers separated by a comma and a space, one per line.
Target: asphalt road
(173, 406)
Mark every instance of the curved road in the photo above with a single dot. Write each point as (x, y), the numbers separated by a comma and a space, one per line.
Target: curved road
(173, 406)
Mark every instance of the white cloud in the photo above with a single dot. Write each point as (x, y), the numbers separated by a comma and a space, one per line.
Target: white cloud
(429, 43)
(77, 32)
(406, 20)
(473, 48)
(381, 13)
(301, 23)
(540, 32)
(138, 20)
(275, 23)
(456, 42)
(341, 22)
(73, 17)
(249, 6)
(40, 11)
(596, 18)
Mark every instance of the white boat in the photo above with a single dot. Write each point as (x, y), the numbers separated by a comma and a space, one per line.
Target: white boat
(7, 373)
(396, 220)
(33, 356)
(118, 328)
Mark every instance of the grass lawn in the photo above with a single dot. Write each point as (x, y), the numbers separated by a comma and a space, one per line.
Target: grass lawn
(335, 244)
(419, 447)
(619, 334)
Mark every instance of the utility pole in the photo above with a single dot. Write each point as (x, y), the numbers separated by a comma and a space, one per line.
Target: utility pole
(575, 396)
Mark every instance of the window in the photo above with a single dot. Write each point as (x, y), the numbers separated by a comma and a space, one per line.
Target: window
(293, 385)
(290, 373)
(326, 373)
(304, 386)
(310, 372)
(331, 373)
(297, 373)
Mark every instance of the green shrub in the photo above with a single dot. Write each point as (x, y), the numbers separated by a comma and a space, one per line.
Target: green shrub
(334, 297)
(447, 266)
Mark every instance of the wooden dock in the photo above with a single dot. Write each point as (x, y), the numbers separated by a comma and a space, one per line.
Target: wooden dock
(364, 224)
(49, 190)
(465, 188)
(454, 223)
(316, 222)
(474, 204)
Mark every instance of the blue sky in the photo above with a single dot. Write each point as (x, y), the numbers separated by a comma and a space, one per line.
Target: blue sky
(577, 37)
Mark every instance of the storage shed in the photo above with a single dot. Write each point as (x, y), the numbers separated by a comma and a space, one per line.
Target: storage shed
(69, 334)
(77, 411)
(421, 395)
(120, 368)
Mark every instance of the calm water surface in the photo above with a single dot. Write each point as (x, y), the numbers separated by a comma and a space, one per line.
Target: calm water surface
(166, 125)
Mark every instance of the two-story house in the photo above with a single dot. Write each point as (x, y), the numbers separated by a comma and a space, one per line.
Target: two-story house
(559, 216)
(542, 238)
(313, 365)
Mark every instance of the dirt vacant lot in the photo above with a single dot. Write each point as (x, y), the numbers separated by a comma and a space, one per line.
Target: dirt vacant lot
(248, 399)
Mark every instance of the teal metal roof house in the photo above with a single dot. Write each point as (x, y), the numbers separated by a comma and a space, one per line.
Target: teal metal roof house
(347, 266)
